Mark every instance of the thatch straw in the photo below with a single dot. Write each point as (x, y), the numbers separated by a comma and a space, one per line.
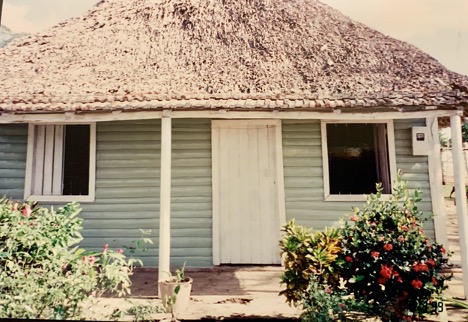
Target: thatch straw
(163, 49)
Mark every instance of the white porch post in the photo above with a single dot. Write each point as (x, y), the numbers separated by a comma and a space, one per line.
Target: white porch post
(460, 195)
(165, 199)
(435, 179)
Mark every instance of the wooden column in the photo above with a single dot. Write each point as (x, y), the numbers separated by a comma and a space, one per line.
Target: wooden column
(165, 199)
(435, 179)
(460, 195)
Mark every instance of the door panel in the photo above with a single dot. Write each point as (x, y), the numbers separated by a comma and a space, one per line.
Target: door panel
(246, 192)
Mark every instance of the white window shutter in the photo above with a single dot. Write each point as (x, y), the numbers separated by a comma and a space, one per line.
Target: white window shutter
(47, 162)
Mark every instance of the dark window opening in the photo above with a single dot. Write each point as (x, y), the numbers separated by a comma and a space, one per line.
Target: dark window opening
(76, 160)
(357, 158)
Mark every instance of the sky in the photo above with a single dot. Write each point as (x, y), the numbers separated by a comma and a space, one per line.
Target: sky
(438, 27)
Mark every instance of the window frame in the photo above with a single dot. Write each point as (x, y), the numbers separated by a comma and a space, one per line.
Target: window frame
(90, 197)
(325, 166)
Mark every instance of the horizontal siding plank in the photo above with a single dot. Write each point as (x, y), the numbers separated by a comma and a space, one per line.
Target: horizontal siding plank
(12, 193)
(12, 173)
(8, 165)
(146, 163)
(153, 146)
(123, 137)
(12, 183)
(15, 156)
(302, 151)
(148, 191)
(119, 182)
(7, 130)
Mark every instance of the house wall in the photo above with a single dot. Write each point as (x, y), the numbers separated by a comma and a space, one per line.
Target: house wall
(127, 182)
(13, 143)
(303, 173)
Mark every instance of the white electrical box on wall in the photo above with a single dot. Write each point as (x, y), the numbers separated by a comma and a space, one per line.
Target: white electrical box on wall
(420, 140)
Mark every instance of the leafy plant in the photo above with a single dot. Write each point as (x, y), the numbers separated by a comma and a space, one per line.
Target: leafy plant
(144, 312)
(42, 273)
(388, 259)
(308, 254)
(323, 304)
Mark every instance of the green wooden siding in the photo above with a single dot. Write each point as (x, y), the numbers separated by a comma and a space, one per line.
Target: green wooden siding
(191, 209)
(127, 189)
(303, 173)
(415, 168)
(13, 147)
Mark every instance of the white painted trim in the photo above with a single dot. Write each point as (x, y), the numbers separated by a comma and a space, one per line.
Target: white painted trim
(29, 162)
(392, 152)
(460, 195)
(280, 175)
(325, 167)
(215, 125)
(326, 170)
(92, 163)
(56, 198)
(165, 200)
(71, 118)
(57, 172)
(60, 198)
(435, 181)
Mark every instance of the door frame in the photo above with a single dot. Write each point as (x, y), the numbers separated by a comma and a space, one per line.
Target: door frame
(215, 142)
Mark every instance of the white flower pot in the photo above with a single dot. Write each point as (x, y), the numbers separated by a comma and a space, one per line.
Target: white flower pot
(182, 298)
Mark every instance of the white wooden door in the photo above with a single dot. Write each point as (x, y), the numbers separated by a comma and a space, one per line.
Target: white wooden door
(248, 191)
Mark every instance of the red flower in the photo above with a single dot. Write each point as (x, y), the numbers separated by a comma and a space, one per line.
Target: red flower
(354, 218)
(417, 284)
(375, 254)
(431, 262)
(348, 259)
(442, 250)
(388, 247)
(386, 271)
(106, 246)
(120, 251)
(26, 211)
(404, 228)
(434, 281)
(91, 260)
(328, 291)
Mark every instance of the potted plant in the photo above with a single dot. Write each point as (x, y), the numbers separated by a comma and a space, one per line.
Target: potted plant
(175, 292)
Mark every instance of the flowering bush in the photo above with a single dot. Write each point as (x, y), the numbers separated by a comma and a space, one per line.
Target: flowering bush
(41, 274)
(388, 266)
(388, 259)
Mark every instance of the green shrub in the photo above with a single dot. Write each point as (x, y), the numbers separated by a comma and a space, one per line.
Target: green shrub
(388, 259)
(41, 274)
(379, 263)
(306, 254)
(324, 304)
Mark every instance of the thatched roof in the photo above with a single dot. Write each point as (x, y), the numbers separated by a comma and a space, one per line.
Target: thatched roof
(145, 54)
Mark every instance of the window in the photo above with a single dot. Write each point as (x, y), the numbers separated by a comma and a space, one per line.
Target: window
(60, 163)
(355, 157)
